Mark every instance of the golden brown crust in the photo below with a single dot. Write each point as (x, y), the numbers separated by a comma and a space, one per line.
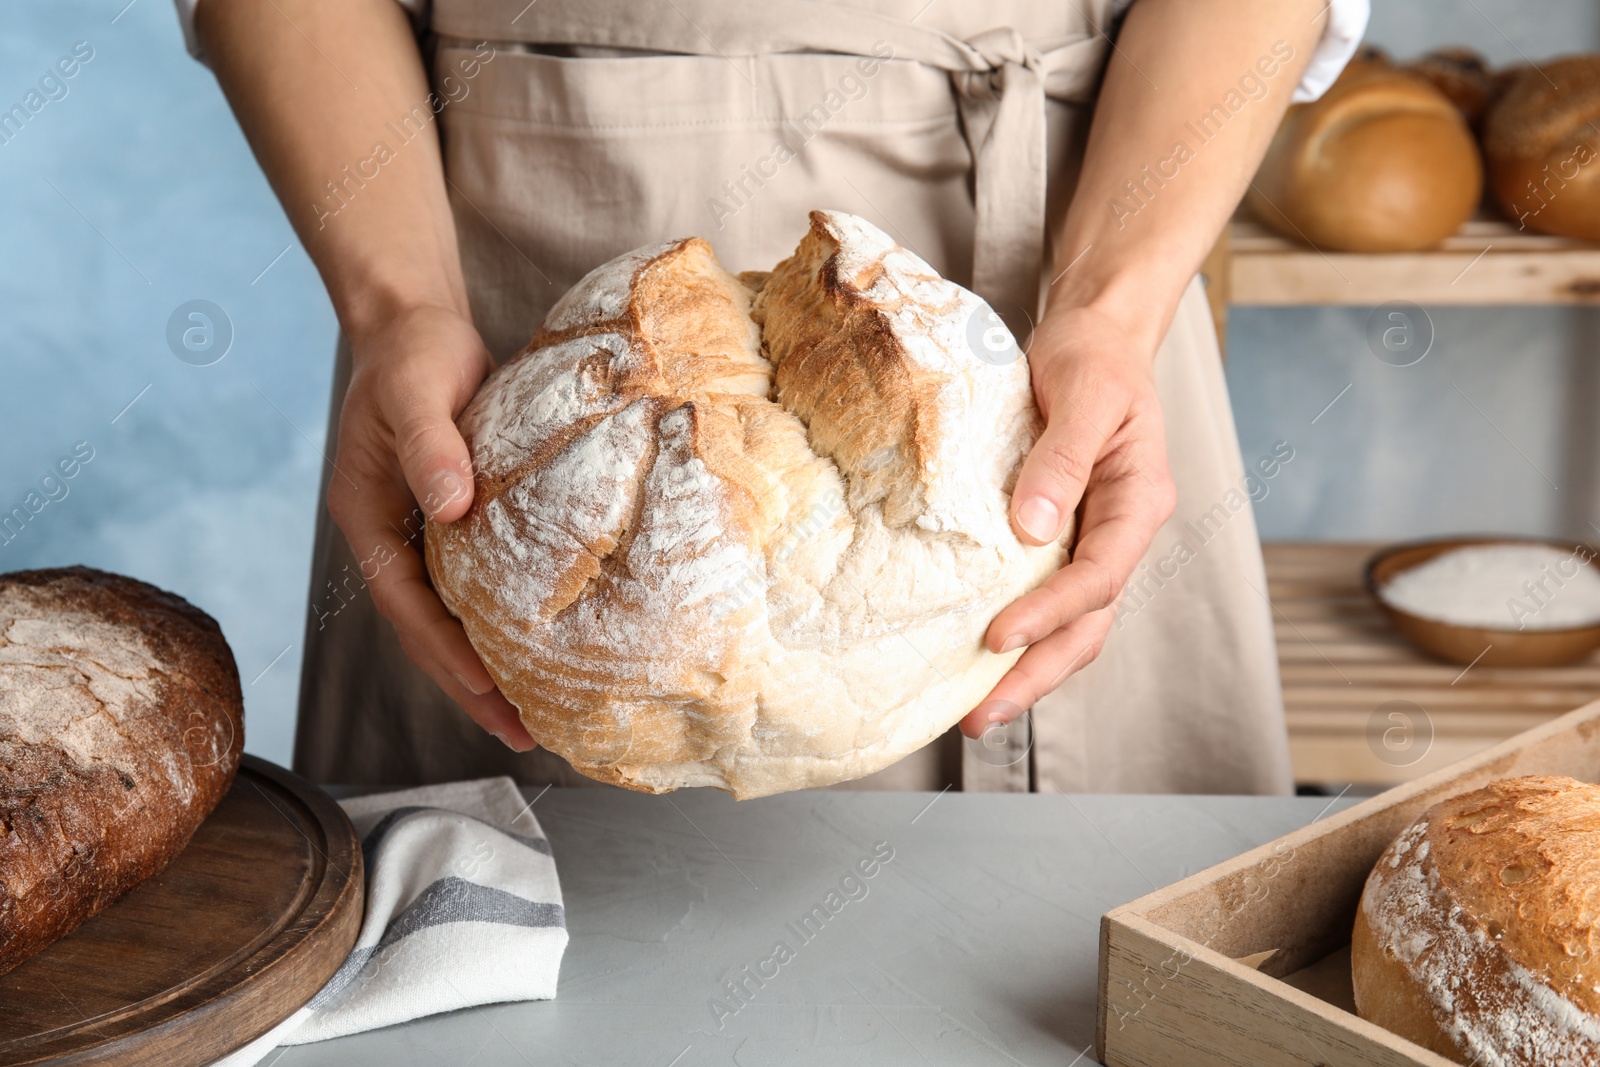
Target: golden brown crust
(843, 372)
(1382, 162)
(744, 532)
(1543, 149)
(1506, 77)
(1477, 930)
(1369, 55)
(1462, 75)
(121, 726)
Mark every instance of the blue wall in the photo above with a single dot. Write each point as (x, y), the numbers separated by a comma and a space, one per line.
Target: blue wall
(129, 196)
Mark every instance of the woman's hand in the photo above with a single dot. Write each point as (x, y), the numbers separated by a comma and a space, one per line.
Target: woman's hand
(1149, 200)
(1103, 454)
(401, 458)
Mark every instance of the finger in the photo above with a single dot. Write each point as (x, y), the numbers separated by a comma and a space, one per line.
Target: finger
(407, 600)
(419, 398)
(429, 636)
(1130, 500)
(1042, 668)
(1057, 468)
(372, 520)
(491, 710)
(433, 456)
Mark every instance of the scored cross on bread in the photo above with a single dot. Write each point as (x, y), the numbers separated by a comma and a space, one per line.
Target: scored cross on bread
(746, 532)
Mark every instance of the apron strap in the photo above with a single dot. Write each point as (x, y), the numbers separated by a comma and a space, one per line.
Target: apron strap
(1000, 81)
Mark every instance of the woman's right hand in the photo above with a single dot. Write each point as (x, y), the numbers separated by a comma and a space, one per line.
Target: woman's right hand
(400, 459)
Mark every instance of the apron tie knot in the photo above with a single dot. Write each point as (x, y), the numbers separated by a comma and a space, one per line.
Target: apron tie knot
(1002, 105)
(997, 51)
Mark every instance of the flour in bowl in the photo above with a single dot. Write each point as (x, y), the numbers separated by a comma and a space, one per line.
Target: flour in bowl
(1502, 587)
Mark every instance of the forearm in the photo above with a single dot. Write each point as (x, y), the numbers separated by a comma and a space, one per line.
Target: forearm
(1168, 157)
(325, 92)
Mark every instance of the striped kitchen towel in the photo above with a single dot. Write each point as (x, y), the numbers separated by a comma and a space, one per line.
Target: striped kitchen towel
(463, 908)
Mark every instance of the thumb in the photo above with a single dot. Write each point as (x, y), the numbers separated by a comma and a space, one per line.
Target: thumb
(1053, 477)
(433, 455)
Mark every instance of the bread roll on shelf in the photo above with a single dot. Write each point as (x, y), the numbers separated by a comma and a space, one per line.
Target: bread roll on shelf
(1383, 162)
(1542, 148)
(1463, 76)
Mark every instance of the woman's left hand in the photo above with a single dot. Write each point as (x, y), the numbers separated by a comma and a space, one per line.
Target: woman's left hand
(1103, 454)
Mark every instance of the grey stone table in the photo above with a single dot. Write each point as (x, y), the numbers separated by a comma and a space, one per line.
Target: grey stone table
(914, 928)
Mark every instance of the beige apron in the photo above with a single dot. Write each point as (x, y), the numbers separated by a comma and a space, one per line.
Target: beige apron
(596, 126)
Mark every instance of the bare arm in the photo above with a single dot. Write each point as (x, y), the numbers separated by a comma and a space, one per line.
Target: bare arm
(1184, 70)
(1122, 262)
(313, 86)
(317, 87)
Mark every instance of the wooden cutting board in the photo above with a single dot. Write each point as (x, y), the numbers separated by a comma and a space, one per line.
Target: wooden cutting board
(239, 932)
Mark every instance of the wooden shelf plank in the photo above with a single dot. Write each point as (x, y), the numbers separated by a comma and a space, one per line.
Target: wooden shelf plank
(1340, 660)
(1488, 261)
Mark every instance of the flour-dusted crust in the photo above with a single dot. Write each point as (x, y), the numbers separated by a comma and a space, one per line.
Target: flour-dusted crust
(745, 532)
(1477, 934)
(121, 725)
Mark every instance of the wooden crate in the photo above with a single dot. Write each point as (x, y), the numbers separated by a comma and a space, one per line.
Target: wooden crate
(1247, 964)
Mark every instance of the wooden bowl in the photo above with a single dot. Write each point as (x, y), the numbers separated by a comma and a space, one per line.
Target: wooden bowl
(1485, 646)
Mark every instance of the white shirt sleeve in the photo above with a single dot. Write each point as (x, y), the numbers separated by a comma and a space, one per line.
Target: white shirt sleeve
(1347, 22)
(186, 19)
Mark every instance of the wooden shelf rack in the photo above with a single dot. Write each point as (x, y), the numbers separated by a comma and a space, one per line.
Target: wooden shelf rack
(1487, 262)
(1341, 661)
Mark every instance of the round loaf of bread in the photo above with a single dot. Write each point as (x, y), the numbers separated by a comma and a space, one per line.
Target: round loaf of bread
(121, 725)
(746, 532)
(1383, 162)
(1462, 75)
(1476, 936)
(1543, 149)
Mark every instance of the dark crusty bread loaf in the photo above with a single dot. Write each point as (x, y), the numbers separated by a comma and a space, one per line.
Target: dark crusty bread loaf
(121, 725)
(1479, 927)
(1542, 146)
